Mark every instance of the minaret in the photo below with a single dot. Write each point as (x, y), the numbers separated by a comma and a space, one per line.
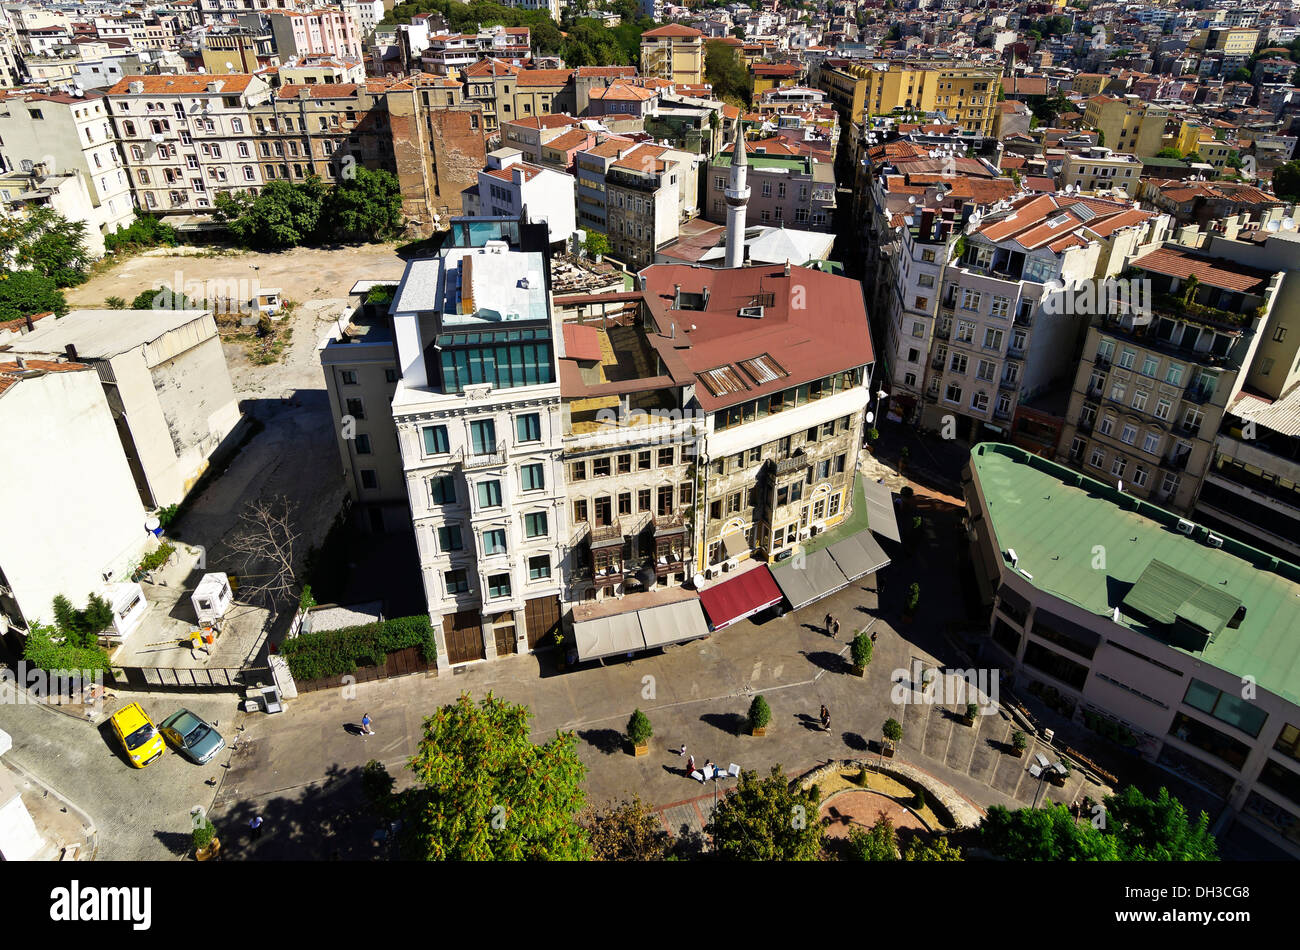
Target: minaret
(737, 195)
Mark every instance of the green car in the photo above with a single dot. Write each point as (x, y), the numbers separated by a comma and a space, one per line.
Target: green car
(192, 737)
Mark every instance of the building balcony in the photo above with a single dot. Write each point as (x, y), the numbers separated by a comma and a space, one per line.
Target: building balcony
(486, 459)
(606, 534)
(1011, 384)
(1101, 362)
(793, 463)
(1024, 320)
(941, 333)
(1085, 426)
(580, 530)
(1198, 394)
(1176, 463)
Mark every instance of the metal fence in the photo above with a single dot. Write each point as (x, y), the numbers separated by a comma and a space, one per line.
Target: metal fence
(182, 679)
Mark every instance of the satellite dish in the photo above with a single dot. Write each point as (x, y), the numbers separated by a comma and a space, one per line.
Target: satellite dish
(698, 580)
(911, 199)
(1288, 224)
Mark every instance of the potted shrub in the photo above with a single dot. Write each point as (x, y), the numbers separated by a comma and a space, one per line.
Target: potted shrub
(1019, 742)
(972, 710)
(860, 652)
(206, 842)
(760, 714)
(639, 732)
(912, 602)
(893, 732)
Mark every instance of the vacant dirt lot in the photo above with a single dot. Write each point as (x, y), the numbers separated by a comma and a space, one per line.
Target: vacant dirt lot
(317, 280)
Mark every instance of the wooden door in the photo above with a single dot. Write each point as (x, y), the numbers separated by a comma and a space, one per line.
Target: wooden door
(542, 619)
(503, 626)
(464, 635)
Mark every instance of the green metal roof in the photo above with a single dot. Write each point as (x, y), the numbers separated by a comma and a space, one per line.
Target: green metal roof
(759, 160)
(1090, 544)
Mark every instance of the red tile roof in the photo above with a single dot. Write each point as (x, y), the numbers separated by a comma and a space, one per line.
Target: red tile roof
(813, 325)
(189, 85)
(11, 374)
(581, 342)
(1214, 271)
(673, 29)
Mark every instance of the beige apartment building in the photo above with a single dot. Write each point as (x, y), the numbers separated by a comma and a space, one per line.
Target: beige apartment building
(186, 139)
(1099, 169)
(649, 191)
(1150, 391)
(1128, 124)
(673, 52)
(322, 129)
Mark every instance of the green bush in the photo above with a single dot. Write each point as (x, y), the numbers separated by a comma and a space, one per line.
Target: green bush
(972, 710)
(203, 835)
(892, 730)
(168, 515)
(335, 652)
(861, 649)
(79, 627)
(115, 303)
(913, 598)
(305, 600)
(144, 231)
(872, 434)
(639, 729)
(1019, 741)
(156, 559)
(760, 713)
(43, 652)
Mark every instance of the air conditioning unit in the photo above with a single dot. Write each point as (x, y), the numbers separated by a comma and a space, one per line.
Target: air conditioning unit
(1214, 541)
(1185, 526)
(1012, 556)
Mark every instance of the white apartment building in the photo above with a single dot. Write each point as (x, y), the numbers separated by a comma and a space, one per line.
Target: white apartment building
(80, 524)
(994, 343)
(66, 134)
(509, 186)
(479, 423)
(186, 138)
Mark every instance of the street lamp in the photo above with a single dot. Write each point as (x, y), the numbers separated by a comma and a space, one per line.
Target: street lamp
(1041, 771)
(732, 772)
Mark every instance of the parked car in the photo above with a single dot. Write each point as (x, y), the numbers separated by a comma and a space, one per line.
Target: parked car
(138, 735)
(193, 738)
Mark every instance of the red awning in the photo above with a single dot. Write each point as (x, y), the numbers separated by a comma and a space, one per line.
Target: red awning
(740, 597)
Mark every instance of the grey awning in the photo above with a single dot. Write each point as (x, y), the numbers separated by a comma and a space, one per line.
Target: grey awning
(672, 623)
(805, 579)
(734, 544)
(608, 636)
(858, 555)
(880, 509)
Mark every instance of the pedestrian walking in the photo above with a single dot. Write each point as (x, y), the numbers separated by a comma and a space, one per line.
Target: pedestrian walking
(255, 824)
(873, 636)
(365, 725)
(826, 718)
(835, 629)
(690, 765)
(682, 750)
(829, 621)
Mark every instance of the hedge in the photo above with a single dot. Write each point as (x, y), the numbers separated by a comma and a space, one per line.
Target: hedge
(44, 653)
(335, 652)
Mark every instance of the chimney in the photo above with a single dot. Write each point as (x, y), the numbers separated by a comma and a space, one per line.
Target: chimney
(136, 88)
(72, 353)
(705, 305)
(927, 223)
(787, 267)
(22, 363)
(677, 296)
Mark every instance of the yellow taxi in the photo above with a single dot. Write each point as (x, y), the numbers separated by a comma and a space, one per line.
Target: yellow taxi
(139, 737)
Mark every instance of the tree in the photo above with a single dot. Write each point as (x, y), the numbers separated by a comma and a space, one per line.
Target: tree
(145, 231)
(595, 244)
(24, 293)
(892, 730)
(485, 791)
(49, 244)
(1169, 152)
(1286, 181)
(46, 649)
(639, 729)
(1240, 74)
(724, 68)
(760, 713)
(365, 207)
(265, 540)
(860, 650)
(628, 831)
(1043, 834)
(284, 214)
(1158, 829)
(935, 849)
(877, 843)
(764, 819)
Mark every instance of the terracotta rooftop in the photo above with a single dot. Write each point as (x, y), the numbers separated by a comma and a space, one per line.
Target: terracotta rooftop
(786, 346)
(672, 29)
(11, 374)
(1214, 271)
(189, 85)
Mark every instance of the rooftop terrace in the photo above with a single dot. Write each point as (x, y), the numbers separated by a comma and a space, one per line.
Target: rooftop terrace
(1056, 520)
